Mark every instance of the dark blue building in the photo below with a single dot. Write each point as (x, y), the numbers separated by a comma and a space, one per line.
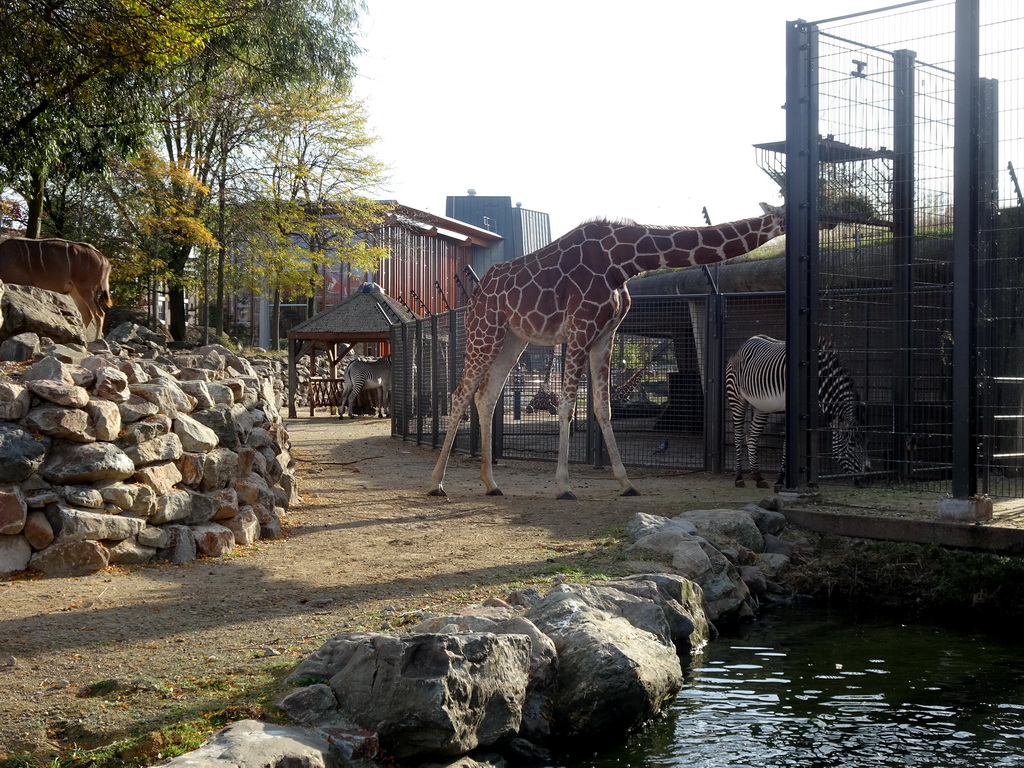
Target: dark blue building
(522, 231)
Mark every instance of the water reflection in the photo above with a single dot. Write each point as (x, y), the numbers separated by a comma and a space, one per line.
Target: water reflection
(799, 690)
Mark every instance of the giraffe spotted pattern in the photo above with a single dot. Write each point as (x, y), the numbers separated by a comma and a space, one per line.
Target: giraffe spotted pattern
(573, 292)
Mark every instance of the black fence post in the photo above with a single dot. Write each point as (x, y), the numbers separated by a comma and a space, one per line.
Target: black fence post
(903, 204)
(802, 148)
(438, 390)
(965, 249)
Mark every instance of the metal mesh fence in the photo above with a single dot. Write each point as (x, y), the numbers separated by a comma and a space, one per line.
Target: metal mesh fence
(886, 109)
(886, 294)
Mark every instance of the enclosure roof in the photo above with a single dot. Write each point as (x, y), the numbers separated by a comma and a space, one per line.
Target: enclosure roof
(432, 225)
(366, 314)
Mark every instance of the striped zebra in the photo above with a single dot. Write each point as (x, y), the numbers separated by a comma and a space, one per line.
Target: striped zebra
(371, 376)
(756, 377)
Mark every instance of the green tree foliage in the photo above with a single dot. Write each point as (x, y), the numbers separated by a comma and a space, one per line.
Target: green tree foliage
(77, 75)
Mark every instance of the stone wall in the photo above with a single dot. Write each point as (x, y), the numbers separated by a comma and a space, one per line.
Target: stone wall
(131, 454)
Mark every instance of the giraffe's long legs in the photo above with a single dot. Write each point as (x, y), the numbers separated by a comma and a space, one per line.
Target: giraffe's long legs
(487, 397)
(474, 372)
(573, 367)
(600, 365)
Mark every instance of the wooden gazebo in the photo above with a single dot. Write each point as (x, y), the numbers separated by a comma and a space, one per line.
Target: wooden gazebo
(365, 316)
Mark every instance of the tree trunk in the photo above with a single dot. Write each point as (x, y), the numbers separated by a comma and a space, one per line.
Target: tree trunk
(275, 322)
(176, 291)
(34, 201)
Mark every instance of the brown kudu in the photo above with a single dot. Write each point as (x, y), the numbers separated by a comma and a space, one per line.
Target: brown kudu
(61, 266)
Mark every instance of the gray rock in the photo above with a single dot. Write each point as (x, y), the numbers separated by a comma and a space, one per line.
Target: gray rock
(130, 552)
(70, 558)
(195, 436)
(159, 449)
(768, 521)
(172, 506)
(166, 395)
(105, 417)
(145, 430)
(49, 369)
(70, 524)
(21, 453)
(136, 408)
(58, 421)
(198, 390)
(20, 347)
(59, 393)
(220, 469)
(74, 463)
(111, 384)
(15, 553)
(15, 400)
(255, 744)
(727, 522)
(161, 477)
(543, 671)
(427, 694)
(33, 310)
(220, 419)
(611, 676)
(181, 546)
(244, 526)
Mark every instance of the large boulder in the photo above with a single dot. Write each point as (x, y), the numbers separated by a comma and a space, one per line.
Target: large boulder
(32, 310)
(427, 694)
(612, 676)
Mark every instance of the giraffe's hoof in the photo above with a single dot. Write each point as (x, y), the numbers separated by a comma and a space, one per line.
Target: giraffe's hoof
(495, 492)
(439, 491)
(567, 496)
(631, 491)
(740, 484)
(762, 483)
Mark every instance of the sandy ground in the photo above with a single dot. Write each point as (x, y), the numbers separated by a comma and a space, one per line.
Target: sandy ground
(84, 660)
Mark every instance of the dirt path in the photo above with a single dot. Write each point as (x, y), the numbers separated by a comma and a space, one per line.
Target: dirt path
(365, 546)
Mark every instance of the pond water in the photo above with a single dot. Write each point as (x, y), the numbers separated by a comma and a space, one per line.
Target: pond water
(802, 689)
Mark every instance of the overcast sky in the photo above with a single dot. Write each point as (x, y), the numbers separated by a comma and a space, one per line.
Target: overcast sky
(580, 108)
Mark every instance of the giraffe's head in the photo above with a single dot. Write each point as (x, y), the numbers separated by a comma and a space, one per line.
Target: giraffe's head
(778, 214)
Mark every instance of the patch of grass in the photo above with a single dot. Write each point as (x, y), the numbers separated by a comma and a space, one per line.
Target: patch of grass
(922, 582)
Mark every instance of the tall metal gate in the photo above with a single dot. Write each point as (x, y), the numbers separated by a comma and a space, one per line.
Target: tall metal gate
(903, 132)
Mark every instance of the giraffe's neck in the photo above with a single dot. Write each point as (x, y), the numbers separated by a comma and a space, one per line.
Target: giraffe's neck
(664, 248)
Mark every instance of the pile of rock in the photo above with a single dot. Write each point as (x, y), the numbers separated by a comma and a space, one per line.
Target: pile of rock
(111, 458)
(733, 554)
(527, 679)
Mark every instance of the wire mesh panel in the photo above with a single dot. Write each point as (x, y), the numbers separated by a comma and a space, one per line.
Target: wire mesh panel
(658, 385)
(747, 315)
(890, 144)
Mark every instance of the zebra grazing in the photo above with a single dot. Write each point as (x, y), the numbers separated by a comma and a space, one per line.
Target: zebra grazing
(756, 376)
(368, 375)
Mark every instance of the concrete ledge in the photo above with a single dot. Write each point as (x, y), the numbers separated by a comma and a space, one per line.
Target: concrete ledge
(987, 538)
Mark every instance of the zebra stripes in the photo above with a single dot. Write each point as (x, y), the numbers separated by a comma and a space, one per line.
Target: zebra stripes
(372, 375)
(755, 377)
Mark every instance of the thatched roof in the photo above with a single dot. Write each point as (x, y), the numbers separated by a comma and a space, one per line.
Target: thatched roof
(367, 314)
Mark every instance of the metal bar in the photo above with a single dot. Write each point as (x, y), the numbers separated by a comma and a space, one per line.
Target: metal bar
(801, 252)
(903, 256)
(965, 248)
